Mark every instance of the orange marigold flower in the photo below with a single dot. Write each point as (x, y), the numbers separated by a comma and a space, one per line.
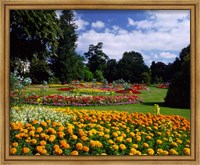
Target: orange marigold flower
(13, 151)
(43, 143)
(52, 138)
(25, 150)
(43, 123)
(84, 138)
(39, 129)
(138, 138)
(133, 151)
(33, 141)
(174, 144)
(85, 148)
(61, 134)
(15, 144)
(74, 153)
(58, 151)
(129, 140)
(79, 146)
(122, 146)
(35, 121)
(43, 151)
(74, 137)
(148, 137)
(56, 146)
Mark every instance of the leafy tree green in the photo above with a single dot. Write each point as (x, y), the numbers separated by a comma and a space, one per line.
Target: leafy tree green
(111, 70)
(158, 72)
(97, 59)
(88, 75)
(67, 66)
(39, 70)
(178, 94)
(31, 32)
(131, 67)
(98, 75)
(146, 78)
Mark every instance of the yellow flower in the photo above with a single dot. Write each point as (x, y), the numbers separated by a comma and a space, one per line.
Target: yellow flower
(148, 137)
(43, 151)
(85, 148)
(129, 140)
(79, 146)
(115, 134)
(39, 129)
(13, 151)
(61, 134)
(174, 144)
(56, 146)
(173, 152)
(74, 137)
(159, 141)
(150, 151)
(58, 151)
(138, 153)
(165, 152)
(33, 141)
(15, 144)
(43, 143)
(146, 145)
(186, 151)
(122, 146)
(133, 151)
(25, 150)
(159, 151)
(52, 138)
(120, 139)
(43, 123)
(84, 138)
(106, 136)
(74, 152)
(110, 141)
(135, 146)
(138, 138)
(115, 147)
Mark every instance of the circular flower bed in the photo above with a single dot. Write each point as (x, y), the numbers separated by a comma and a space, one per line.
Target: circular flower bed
(90, 132)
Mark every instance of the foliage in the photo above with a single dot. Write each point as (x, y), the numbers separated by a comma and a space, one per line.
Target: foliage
(131, 66)
(17, 84)
(98, 75)
(39, 70)
(178, 94)
(31, 32)
(96, 58)
(111, 70)
(146, 78)
(67, 66)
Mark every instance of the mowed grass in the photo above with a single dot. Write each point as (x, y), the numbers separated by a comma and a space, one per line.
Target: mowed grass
(150, 97)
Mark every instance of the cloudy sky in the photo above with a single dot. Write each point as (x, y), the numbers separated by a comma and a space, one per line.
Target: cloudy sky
(159, 35)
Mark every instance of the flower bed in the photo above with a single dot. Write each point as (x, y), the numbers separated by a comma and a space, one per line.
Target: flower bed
(59, 100)
(163, 86)
(130, 91)
(92, 132)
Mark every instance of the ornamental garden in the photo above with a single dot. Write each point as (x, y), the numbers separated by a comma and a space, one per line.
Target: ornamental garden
(65, 103)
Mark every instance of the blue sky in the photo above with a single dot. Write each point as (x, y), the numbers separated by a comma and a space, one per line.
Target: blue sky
(159, 35)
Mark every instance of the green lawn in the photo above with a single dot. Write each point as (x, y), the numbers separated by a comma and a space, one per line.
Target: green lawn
(150, 97)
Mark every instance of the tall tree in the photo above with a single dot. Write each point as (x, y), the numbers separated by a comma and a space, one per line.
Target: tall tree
(158, 72)
(111, 70)
(97, 59)
(67, 65)
(32, 32)
(178, 94)
(131, 67)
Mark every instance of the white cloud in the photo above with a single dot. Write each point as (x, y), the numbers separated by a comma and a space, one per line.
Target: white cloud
(167, 55)
(98, 24)
(82, 24)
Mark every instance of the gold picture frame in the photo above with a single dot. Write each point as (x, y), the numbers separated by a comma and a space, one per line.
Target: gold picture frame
(7, 5)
